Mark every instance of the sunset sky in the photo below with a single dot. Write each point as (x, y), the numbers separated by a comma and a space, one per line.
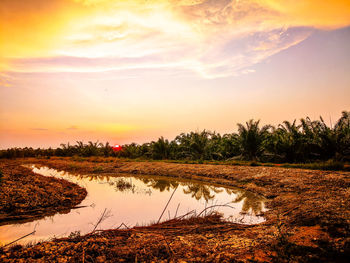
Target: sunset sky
(131, 70)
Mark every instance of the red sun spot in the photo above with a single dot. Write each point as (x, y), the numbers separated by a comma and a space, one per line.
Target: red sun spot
(117, 147)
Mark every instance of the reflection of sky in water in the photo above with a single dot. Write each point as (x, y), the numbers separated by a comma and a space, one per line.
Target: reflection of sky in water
(135, 201)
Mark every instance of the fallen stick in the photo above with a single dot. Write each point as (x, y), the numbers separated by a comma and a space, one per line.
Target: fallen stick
(181, 217)
(81, 206)
(122, 224)
(167, 204)
(19, 238)
(99, 221)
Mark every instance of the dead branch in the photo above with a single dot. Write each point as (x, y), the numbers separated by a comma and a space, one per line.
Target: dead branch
(122, 224)
(20, 238)
(167, 204)
(100, 220)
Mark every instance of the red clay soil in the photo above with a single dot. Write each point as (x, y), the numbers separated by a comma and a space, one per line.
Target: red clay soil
(308, 219)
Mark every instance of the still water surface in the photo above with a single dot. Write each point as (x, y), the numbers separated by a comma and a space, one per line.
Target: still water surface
(135, 200)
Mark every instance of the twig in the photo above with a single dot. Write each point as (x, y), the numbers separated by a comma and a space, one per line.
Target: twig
(167, 204)
(100, 220)
(122, 224)
(78, 207)
(181, 217)
(20, 238)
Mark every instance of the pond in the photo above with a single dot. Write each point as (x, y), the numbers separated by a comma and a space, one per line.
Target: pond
(135, 200)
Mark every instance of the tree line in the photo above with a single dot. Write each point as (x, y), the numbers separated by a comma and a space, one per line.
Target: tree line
(289, 142)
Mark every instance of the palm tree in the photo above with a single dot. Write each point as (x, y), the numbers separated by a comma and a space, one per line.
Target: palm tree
(160, 149)
(229, 146)
(325, 138)
(107, 150)
(251, 139)
(199, 144)
(286, 142)
(67, 149)
(342, 130)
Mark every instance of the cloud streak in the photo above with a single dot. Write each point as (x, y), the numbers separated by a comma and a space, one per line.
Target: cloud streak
(230, 57)
(212, 38)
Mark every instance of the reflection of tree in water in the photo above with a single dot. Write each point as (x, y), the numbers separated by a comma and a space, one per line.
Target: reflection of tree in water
(160, 184)
(97, 177)
(200, 190)
(196, 190)
(251, 201)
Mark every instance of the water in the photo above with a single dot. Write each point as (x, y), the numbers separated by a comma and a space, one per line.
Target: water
(135, 200)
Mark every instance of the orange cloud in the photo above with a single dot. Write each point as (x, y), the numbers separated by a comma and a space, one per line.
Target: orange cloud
(326, 14)
(187, 34)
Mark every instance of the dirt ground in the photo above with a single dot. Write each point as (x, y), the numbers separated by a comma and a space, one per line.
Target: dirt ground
(308, 219)
(25, 196)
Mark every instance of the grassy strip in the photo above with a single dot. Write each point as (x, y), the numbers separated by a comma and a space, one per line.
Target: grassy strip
(326, 166)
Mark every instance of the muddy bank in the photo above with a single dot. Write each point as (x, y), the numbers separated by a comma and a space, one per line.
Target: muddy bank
(308, 220)
(193, 240)
(26, 196)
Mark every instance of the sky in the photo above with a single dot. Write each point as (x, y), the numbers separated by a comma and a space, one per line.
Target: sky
(134, 70)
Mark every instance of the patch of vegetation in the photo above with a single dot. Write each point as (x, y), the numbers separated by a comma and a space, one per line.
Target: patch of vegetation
(123, 185)
(74, 235)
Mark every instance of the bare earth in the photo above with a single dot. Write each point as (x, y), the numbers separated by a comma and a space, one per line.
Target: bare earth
(308, 219)
(26, 196)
